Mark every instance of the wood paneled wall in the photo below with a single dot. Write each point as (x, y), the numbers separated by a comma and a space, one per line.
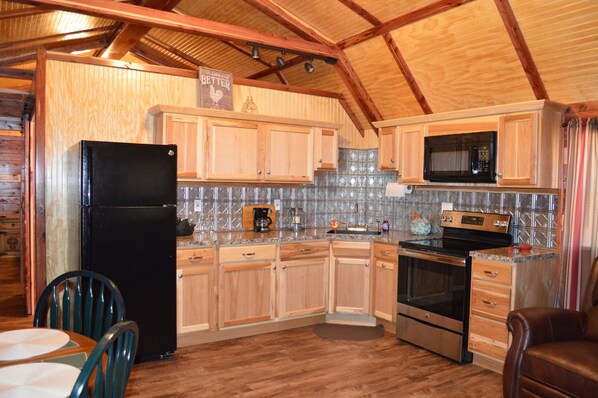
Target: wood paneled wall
(91, 102)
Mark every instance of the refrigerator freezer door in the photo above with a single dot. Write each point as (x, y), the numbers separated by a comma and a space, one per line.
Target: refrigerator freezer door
(121, 174)
(136, 248)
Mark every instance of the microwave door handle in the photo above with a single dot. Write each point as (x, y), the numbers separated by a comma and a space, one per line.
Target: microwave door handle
(475, 157)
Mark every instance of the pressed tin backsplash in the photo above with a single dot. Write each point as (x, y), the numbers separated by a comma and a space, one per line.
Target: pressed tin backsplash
(334, 195)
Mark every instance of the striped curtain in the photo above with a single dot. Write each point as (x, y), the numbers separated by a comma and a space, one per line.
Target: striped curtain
(580, 237)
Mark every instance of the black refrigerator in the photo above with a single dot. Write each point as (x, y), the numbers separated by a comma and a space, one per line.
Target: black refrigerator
(128, 221)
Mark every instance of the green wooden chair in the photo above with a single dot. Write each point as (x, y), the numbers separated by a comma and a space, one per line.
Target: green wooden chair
(80, 301)
(106, 371)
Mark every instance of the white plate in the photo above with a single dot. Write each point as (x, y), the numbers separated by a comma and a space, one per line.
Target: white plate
(27, 343)
(37, 379)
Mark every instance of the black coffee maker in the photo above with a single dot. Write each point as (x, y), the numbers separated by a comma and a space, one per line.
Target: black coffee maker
(261, 221)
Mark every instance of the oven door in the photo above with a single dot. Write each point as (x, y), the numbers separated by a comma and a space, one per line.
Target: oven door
(434, 288)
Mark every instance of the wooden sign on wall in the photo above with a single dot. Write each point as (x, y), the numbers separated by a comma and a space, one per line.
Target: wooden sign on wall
(215, 89)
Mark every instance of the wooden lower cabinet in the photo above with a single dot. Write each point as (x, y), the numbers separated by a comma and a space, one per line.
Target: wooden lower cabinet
(246, 288)
(498, 287)
(302, 287)
(196, 298)
(384, 295)
(351, 277)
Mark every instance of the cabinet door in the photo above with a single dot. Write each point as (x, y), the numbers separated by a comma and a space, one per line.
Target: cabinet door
(325, 149)
(233, 150)
(411, 158)
(352, 285)
(246, 293)
(302, 287)
(517, 150)
(195, 298)
(387, 149)
(385, 290)
(289, 153)
(184, 132)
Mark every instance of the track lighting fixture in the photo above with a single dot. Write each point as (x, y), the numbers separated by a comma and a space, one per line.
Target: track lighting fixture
(255, 52)
(309, 68)
(280, 61)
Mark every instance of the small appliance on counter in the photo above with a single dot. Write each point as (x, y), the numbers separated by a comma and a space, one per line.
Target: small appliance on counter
(296, 218)
(248, 221)
(261, 219)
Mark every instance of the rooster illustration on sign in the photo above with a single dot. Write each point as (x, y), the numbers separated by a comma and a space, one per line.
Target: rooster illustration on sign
(215, 95)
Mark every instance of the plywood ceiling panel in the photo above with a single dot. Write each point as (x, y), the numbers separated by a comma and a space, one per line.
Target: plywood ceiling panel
(563, 40)
(333, 19)
(211, 52)
(385, 10)
(382, 78)
(234, 12)
(326, 78)
(463, 58)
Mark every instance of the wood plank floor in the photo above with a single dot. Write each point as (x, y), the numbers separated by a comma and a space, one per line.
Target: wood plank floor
(297, 363)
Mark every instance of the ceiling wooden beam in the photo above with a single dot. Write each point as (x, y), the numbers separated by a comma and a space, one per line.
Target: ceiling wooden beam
(131, 34)
(362, 12)
(525, 56)
(24, 12)
(402, 20)
(582, 110)
(182, 23)
(45, 40)
(16, 73)
(283, 17)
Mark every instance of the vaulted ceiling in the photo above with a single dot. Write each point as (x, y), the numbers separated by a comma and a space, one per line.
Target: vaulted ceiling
(395, 58)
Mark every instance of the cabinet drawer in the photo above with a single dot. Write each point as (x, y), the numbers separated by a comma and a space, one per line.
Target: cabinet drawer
(491, 271)
(351, 249)
(293, 251)
(197, 256)
(247, 253)
(488, 337)
(386, 252)
(490, 299)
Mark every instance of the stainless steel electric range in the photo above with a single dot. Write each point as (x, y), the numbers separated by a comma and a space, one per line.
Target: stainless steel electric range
(434, 281)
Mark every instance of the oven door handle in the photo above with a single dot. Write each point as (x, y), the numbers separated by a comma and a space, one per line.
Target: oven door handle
(439, 258)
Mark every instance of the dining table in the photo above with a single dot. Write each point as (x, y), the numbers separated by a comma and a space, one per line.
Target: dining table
(41, 361)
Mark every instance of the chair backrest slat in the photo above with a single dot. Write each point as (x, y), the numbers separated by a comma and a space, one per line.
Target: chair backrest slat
(80, 301)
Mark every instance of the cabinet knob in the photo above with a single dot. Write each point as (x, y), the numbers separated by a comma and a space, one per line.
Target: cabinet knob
(499, 175)
(320, 161)
(194, 258)
(274, 268)
(248, 254)
(392, 160)
(383, 265)
(366, 265)
(180, 276)
(305, 250)
(268, 172)
(400, 174)
(259, 172)
(284, 267)
(493, 274)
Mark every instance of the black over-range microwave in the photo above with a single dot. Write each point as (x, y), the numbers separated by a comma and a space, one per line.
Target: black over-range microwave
(468, 157)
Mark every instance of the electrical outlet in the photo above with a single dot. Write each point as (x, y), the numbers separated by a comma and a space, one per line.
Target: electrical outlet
(277, 204)
(197, 205)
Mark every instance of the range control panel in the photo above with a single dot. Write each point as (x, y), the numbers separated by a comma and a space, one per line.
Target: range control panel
(478, 221)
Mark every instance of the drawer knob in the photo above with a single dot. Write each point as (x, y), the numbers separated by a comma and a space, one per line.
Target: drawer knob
(194, 258)
(366, 265)
(385, 253)
(383, 265)
(180, 276)
(493, 274)
(284, 267)
(305, 250)
(248, 254)
(490, 303)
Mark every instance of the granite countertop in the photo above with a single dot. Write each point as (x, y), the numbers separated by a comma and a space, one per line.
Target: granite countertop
(521, 256)
(221, 238)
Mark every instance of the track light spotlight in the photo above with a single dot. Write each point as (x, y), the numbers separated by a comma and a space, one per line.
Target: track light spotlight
(309, 68)
(280, 61)
(255, 52)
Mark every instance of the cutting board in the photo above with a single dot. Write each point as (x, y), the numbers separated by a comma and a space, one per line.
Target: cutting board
(248, 216)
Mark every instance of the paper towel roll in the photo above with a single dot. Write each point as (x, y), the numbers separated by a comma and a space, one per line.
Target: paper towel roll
(397, 190)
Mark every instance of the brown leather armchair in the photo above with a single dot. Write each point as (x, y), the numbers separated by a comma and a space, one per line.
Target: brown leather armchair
(554, 352)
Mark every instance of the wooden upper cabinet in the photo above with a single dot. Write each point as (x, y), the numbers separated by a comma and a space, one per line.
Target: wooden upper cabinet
(411, 154)
(325, 149)
(233, 150)
(387, 149)
(517, 145)
(185, 132)
(289, 153)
